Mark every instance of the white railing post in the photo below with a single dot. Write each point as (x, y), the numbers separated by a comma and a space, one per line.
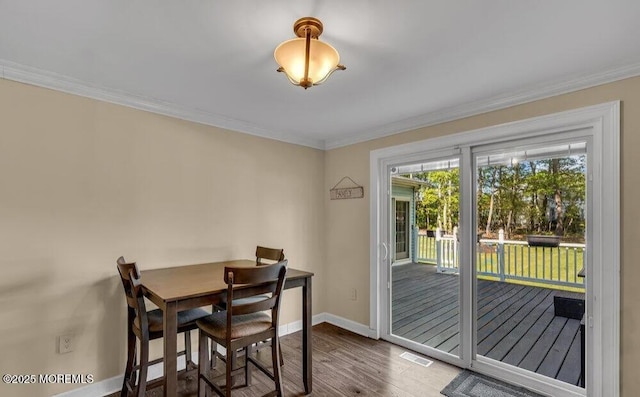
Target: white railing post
(501, 254)
(455, 247)
(415, 244)
(438, 251)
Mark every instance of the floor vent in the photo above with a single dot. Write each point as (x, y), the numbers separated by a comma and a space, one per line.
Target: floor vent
(416, 359)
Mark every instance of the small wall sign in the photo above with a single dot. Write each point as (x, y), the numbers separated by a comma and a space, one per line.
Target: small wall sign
(350, 191)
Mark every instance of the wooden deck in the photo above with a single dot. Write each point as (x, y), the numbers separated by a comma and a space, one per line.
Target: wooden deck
(516, 323)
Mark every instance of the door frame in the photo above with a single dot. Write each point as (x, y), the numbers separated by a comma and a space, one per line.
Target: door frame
(602, 124)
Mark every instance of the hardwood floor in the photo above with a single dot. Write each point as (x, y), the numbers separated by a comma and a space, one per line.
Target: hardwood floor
(344, 364)
(516, 323)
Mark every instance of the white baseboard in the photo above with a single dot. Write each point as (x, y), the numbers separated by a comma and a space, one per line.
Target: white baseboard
(98, 389)
(296, 326)
(112, 385)
(349, 325)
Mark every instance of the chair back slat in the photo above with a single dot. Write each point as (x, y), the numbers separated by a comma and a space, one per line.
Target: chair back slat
(254, 307)
(253, 275)
(270, 277)
(270, 254)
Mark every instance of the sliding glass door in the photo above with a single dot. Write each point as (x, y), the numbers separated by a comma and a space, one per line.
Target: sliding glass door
(531, 221)
(504, 239)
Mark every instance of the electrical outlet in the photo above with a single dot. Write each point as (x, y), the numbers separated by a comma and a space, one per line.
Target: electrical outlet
(354, 294)
(65, 344)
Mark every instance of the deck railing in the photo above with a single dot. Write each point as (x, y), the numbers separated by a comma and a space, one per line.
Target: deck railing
(508, 259)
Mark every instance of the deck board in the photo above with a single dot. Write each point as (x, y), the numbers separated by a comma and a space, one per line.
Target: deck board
(571, 373)
(515, 323)
(491, 337)
(523, 345)
(534, 358)
(552, 362)
(506, 344)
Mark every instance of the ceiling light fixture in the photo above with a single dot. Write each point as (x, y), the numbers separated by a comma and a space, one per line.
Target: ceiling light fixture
(307, 61)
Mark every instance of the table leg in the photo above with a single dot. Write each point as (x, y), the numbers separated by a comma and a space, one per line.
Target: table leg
(306, 335)
(170, 324)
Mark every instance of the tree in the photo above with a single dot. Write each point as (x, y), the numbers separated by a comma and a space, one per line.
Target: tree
(440, 203)
(528, 197)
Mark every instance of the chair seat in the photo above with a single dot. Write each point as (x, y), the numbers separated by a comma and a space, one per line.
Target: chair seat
(242, 326)
(184, 318)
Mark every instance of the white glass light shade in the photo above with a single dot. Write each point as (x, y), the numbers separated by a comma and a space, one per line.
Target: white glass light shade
(323, 60)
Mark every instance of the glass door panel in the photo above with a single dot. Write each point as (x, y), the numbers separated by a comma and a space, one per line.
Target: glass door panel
(531, 224)
(425, 285)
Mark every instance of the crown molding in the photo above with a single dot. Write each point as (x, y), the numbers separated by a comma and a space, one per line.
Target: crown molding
(38, 77)
(534, 93)
(42, 78)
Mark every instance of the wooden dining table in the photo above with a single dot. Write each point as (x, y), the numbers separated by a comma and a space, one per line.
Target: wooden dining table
(180, 288)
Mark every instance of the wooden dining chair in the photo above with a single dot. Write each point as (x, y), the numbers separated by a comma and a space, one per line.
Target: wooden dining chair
(262, 253)
(145, 326)
(242, 325)
(264, 256)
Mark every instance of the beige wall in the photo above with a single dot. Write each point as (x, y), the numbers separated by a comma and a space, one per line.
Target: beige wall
(348, 220)
(83, 182)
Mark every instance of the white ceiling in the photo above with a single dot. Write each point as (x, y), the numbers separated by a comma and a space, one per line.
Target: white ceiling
(409, 63)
